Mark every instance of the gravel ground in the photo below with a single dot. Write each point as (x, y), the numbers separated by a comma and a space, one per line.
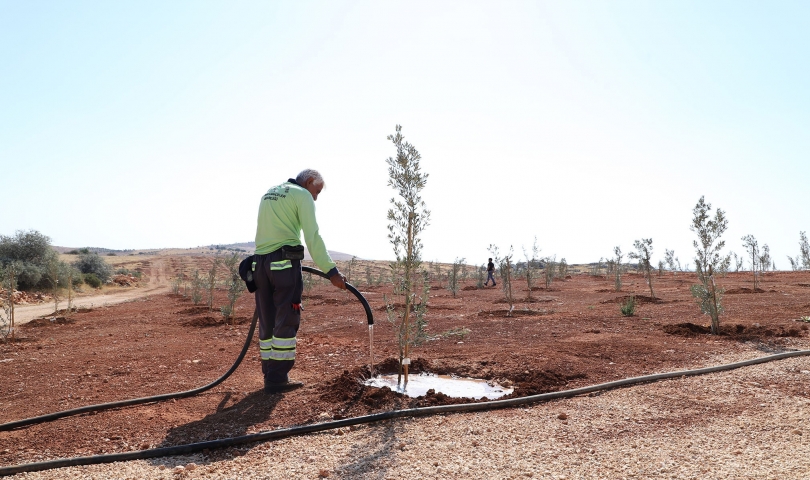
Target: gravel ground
(751, 423)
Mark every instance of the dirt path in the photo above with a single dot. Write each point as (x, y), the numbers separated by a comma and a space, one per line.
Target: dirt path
(158, 283)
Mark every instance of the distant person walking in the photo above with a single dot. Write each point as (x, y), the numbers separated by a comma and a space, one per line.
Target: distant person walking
(285, 210)
(490, 273)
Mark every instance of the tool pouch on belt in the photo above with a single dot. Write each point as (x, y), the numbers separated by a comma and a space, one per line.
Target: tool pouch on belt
(246, 273)
(292, 253)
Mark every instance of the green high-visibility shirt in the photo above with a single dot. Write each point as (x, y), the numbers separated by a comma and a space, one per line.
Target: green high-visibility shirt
(284, 211)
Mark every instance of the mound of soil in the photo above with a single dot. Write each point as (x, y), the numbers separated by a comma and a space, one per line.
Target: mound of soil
(192, 310)
(533, 382)
(46, 322)
(470, 288)
(640, 300)
(743, 290)
(738, 332)
(687, 329)
(443, 307)
(515, 313)
(207, 321)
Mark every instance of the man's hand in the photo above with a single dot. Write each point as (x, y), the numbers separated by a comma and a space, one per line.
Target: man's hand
(338, 280)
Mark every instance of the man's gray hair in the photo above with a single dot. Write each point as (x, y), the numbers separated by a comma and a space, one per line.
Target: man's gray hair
(307, 174)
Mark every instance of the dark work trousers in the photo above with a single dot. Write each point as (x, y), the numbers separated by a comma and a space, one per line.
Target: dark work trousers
(278, 299)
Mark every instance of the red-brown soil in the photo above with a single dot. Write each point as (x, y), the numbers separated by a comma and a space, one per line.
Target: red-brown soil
(570, 335)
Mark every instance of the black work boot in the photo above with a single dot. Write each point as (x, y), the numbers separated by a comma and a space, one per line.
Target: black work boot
(281, 387)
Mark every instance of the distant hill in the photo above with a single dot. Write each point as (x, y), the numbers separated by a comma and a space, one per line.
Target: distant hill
(251, 246)
(246, 247)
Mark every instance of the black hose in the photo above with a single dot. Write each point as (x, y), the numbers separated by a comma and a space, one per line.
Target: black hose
(349, 287)
(168, 396)
(135, 401)
(347, 422)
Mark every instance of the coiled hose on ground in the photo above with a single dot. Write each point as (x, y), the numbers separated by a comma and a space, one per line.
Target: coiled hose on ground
(304, 429)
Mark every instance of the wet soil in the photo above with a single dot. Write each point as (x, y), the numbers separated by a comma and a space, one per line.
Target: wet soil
(572, 337)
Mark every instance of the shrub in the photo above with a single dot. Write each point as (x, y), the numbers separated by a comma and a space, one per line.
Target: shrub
(177, 283)
(92, 280)
(562, 269)
(234, 285)
(549, 269)
(480, 275)
(628, 308)
(196, 288)
(211, 281)
(91, 262)
(31, 252)
(453, 279)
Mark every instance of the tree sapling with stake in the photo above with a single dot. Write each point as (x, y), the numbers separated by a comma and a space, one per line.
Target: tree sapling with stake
(531, 261)
(617, 251)
(643, 254)
(752, 248)
(707, 249)
(407, 218)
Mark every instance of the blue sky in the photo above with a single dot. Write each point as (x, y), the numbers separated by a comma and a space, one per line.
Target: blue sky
(585, 124)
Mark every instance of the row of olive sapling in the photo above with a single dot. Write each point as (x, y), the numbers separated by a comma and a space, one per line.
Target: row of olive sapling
(408, 217)
(193, 286)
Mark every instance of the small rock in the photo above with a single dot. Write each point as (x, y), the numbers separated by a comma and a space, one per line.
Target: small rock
(178, 469)
(562, 416)
(161, 467)
(191, 466)
(323, 474)
(797, 432)
(435, 464)
(402, 446)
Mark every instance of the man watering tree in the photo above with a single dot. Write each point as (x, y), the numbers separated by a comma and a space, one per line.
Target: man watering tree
(285, 210)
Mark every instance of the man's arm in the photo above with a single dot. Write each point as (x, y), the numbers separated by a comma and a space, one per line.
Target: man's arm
(316, 245)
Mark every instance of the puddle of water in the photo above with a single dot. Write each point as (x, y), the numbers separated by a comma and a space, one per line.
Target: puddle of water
(446, 384)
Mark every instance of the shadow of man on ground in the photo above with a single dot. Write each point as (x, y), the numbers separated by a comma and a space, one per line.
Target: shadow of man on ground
(225, 422)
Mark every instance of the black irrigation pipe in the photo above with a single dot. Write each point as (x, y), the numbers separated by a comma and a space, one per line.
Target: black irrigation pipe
(168, 396)
(411, 412)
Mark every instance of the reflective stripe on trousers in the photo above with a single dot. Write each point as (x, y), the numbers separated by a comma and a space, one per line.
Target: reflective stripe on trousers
(277, 348)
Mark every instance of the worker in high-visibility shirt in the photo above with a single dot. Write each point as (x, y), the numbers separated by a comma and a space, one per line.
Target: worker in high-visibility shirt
(285, 210)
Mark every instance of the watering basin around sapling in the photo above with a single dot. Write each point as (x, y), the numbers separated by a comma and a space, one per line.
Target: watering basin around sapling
(451, 386)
